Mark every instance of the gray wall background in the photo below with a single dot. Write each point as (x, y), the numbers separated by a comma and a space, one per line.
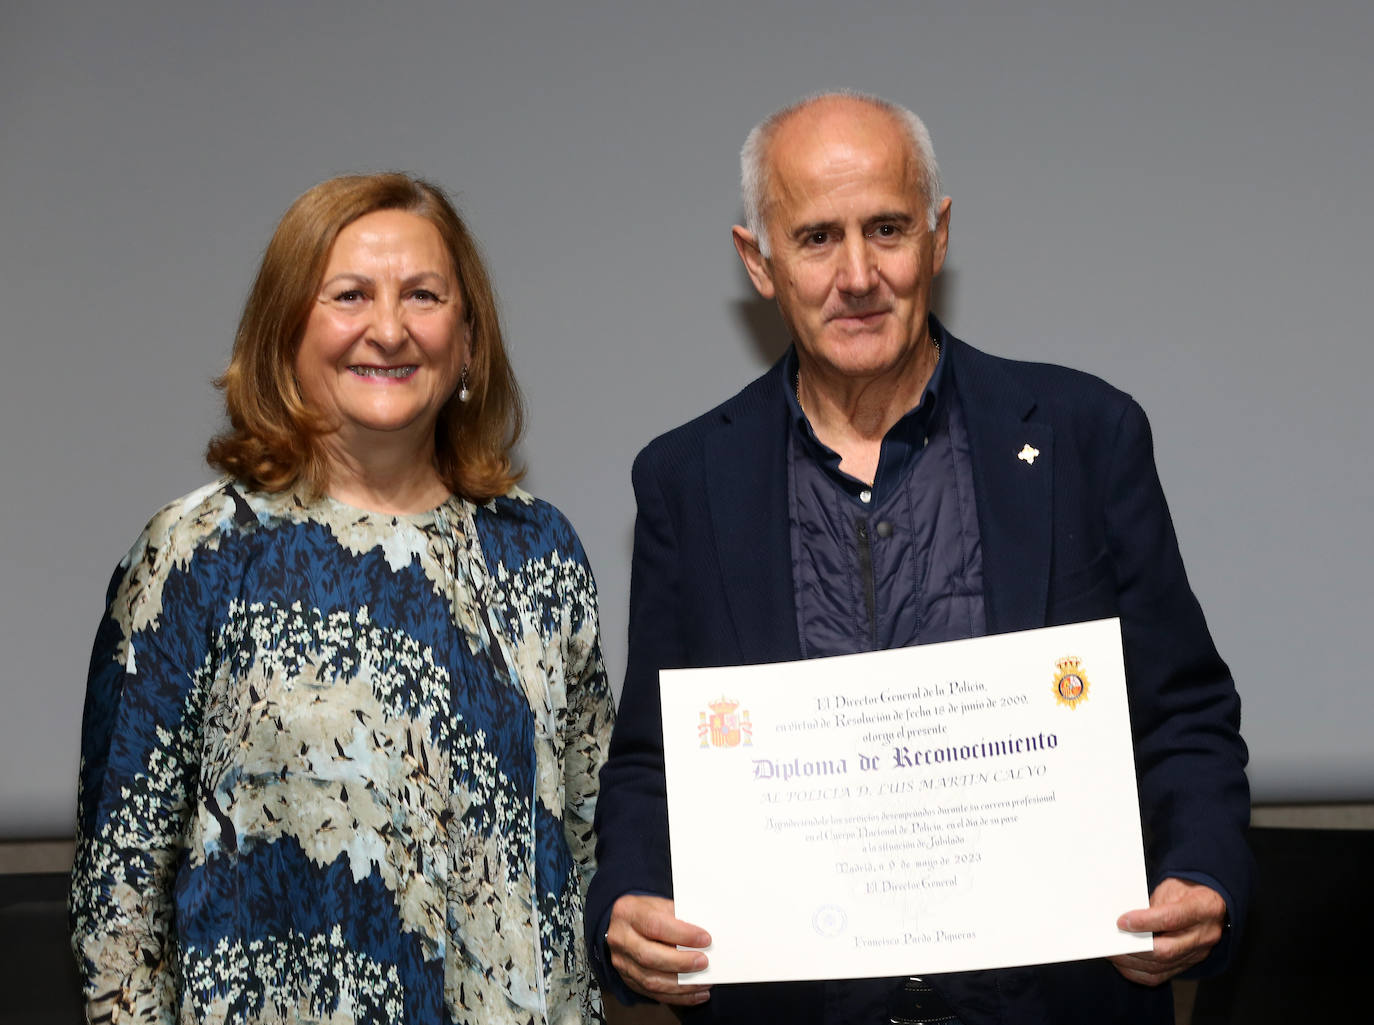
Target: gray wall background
(1174, 195)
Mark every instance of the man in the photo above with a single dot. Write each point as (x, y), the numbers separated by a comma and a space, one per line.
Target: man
(886, 484)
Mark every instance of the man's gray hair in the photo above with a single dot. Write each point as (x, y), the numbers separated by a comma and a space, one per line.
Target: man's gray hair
(754, 168)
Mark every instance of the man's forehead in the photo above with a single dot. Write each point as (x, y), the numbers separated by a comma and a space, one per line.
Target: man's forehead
(832, 161)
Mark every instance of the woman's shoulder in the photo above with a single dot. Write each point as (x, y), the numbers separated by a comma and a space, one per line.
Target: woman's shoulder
(537, 567)
(187, 523)
(205, 521)
(517, 526)
(172, 545)
(518, 513)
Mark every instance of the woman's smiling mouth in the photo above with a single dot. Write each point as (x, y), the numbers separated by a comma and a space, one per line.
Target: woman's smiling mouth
(395, 373)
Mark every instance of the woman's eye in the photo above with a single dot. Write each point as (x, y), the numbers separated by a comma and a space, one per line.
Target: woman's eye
(424, 295)
(351, 295)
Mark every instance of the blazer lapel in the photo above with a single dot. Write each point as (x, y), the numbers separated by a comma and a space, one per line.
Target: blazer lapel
(747, 494)
(1013, 475)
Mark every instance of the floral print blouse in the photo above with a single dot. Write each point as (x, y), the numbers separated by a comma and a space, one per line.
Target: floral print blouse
(340, 767)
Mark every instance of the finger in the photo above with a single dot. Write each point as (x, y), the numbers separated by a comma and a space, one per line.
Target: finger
(653, 917)
(653, 956)
(1191, 946)
(656, 984)
(680, 999)
(1193, 942)
(1175, 948)
(1151, 969)
(1143, 978)
(1143, 972)
(1163, 918)
(662, 989)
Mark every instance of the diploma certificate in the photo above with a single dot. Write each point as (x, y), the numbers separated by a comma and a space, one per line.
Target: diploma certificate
(938, 808)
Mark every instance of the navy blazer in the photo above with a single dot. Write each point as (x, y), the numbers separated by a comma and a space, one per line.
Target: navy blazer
(1081, 533)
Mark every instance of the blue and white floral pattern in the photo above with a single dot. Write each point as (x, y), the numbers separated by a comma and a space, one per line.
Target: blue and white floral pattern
(340, 767)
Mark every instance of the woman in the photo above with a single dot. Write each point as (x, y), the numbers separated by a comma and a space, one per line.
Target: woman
(347, 708)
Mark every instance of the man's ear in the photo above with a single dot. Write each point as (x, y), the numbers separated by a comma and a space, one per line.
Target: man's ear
(754, 261)
(942, 234)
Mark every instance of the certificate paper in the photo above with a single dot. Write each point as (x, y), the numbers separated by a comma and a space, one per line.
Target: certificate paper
(929, 809)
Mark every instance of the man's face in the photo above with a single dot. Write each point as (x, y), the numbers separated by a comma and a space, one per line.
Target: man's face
(853, 257)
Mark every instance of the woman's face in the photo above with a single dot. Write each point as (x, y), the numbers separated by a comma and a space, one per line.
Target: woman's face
(386, 339)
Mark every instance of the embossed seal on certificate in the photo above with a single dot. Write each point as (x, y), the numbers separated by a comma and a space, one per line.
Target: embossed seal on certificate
(829, 920)
(723, 727)
(1070, 682)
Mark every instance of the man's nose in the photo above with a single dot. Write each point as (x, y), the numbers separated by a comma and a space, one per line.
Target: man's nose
(858, 272)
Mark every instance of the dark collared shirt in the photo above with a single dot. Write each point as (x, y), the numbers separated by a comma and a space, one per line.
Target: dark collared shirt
(895, 563)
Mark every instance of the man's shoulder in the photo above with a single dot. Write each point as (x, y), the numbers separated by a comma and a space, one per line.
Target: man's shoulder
(756, 400)
(1050, 387)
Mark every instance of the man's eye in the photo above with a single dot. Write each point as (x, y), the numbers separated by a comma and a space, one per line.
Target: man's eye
(886, 231)
(818, 238)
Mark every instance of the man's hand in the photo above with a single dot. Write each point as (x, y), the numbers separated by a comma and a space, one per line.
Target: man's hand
(1187, 920)
(643, 939)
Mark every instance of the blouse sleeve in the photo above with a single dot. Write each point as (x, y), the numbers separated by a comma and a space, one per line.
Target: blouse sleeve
(587, 728)
(139, 760)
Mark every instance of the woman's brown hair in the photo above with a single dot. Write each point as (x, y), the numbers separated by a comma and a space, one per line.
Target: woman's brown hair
(272, 438)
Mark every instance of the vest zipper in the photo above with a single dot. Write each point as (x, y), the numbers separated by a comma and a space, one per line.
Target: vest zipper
(866, 575)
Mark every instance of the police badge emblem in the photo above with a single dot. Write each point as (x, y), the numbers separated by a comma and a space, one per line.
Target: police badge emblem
(1070, 682)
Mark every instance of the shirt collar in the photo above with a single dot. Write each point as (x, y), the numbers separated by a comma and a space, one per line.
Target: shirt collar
(904, 440)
